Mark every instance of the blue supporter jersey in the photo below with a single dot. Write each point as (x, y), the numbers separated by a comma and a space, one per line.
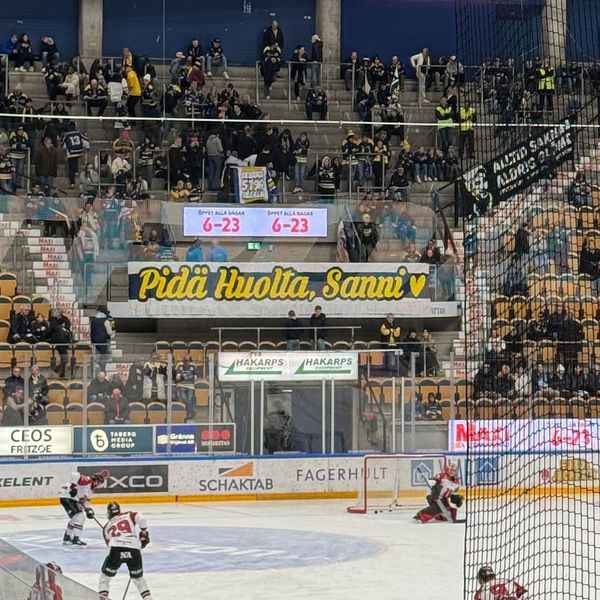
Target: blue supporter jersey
(75, 143)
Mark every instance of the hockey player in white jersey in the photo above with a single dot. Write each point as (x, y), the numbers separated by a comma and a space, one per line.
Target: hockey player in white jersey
(46, 586)
(126, 533)
(75, 497)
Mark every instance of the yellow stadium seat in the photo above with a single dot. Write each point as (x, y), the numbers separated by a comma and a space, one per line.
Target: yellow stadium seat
(8, 284)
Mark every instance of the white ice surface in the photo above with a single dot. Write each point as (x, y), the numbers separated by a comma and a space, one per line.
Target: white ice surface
(219, 560)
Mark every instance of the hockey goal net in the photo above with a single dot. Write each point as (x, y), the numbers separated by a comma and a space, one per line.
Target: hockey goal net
(392, 481)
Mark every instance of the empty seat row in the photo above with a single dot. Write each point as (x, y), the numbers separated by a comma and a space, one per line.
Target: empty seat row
(139, 413)
(520, 307)
(43, 354)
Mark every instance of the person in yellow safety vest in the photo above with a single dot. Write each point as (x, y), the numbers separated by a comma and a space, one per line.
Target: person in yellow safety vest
(546, 85)
(444, 116)
(468, 116)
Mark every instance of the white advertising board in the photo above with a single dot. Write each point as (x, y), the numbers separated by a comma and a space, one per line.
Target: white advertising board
(35, 441)
(287, 366)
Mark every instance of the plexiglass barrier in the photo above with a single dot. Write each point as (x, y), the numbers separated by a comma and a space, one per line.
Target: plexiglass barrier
(23, 578)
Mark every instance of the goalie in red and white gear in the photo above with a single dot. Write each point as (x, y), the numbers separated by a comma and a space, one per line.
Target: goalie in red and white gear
(492, 588)
(126, 533)
(75, 497)
(444, 493)
(46, 586)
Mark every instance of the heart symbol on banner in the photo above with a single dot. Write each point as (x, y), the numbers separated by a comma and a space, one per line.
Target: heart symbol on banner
(417, 283)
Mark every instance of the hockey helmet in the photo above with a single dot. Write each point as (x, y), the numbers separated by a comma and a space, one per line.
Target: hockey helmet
(485, 574)
(113, 509)
(97, 480)
(452, 468)
(54, 567)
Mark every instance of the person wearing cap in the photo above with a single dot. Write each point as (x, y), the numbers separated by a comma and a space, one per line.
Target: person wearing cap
(176, 67)
(215, 56)
(454, 74)
(349, 151)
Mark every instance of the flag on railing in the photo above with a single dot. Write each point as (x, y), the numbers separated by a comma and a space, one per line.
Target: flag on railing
(395, 86)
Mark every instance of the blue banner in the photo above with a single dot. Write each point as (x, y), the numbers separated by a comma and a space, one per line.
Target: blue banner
(115, 439)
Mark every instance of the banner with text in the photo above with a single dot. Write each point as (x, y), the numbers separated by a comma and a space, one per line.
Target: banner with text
(523, 435)
(254, 221)
(252, 184)
(35, 441)
(513, 171)
(287, 366)
(253, 290)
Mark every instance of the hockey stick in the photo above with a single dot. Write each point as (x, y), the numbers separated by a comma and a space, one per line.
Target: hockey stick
(126, 589)
(440, 504)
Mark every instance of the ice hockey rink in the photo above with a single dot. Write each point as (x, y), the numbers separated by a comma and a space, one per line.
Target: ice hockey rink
(262, 550)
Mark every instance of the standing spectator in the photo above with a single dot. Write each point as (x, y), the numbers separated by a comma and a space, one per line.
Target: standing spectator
(46, 164)
(351, 70)
(195, 253)
(431, 364)
(147, 152)
(298, 70)
(48, 50)
(60, 336)
(326, 181)
(318, 333)
(134, 90)
(117, 408)
(86, 251)
(216, 253)
(546, 85)
(381, 160)
(467, 116)
(176, 161)
(570, 338)
(421, 63)
(75, 143)
(214, 160)
(316, 58)
(101, 333)
(270, 65)
(94, 96)
(301, 147)
(215, 56)
(293, 328)
(445, 122)
(150, 110)
(185, 376)
(155, 376)
(349, 152)
(316, 101)
(395, 72)
(196, 76)
(19, 146)
(368, 234)
(273, 35)
(176, 68)
(389, 337)
(7, 171)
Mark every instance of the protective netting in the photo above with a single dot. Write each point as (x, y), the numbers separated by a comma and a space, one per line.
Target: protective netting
(532, 263)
